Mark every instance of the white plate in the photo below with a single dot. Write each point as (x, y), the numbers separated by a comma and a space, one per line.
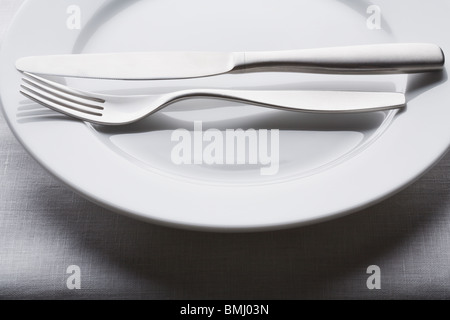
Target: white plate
(329, 165)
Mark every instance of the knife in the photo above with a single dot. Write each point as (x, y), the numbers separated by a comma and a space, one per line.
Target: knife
(366, 59)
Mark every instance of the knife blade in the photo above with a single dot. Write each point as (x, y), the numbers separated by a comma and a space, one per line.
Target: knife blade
(367, 59)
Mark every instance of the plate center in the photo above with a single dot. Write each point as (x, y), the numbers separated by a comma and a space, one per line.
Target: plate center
(274, 145)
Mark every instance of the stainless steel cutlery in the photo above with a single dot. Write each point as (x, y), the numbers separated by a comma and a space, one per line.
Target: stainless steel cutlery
(120, 110)
(368, 59)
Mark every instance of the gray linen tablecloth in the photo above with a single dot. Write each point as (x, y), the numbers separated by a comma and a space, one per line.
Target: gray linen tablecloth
(45, 228)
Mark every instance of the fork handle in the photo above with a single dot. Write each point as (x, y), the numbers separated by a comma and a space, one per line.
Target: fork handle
(367, 59)
(306, 101)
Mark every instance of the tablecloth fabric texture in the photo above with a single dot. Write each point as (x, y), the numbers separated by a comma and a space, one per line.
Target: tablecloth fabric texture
(45, 228)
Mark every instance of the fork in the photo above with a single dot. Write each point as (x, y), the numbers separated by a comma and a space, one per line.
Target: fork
(120, 110)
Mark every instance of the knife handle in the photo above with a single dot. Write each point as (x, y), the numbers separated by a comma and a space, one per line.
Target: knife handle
(367, 59)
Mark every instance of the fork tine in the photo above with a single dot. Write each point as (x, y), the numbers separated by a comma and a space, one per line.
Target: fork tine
(52, 106)
(63, 92)
(58, 104)
(60, 94)
(65, 103)
(61, 88)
